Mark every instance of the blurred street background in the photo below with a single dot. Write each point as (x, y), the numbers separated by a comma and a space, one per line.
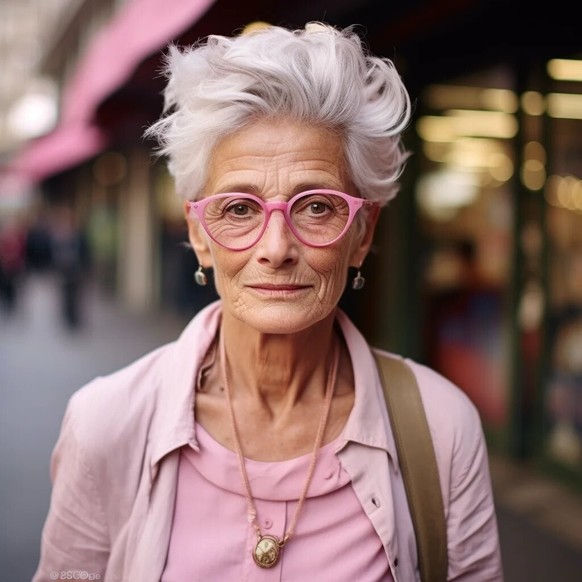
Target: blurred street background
(476, 269)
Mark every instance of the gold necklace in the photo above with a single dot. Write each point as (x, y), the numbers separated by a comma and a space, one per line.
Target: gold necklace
(268, 548)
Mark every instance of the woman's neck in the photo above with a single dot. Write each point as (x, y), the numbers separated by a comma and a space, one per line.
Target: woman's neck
(278, 370)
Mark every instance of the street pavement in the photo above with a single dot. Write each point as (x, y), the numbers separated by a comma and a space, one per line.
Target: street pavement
(42, 363)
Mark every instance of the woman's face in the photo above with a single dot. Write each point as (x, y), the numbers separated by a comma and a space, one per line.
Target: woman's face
(280, 285)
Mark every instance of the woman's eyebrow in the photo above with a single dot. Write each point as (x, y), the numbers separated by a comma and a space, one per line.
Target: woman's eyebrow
(242, 187)
(250, 188)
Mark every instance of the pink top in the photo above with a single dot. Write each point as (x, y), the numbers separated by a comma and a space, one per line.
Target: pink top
(212, 540)
(115, 468)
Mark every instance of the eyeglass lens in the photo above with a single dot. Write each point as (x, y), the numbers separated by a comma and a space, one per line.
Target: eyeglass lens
(237, 222)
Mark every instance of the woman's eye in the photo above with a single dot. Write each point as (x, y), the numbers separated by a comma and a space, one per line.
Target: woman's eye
(239, 209)
(313, 206)
(318, 207)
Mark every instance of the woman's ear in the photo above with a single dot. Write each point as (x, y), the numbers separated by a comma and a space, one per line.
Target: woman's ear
(198, 239)
(363, 245)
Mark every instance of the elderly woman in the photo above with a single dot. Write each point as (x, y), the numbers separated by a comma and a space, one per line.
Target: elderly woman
(257, 446)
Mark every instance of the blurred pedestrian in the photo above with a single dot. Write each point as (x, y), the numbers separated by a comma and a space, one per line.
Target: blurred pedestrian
(70, 259)
(12, 261)
(257, 446)
(38, 246)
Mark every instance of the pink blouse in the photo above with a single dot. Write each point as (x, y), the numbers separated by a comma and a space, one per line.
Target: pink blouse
(129, 428)
(211, 539)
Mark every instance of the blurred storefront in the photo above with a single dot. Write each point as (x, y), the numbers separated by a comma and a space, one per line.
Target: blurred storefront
(562, 372)
(499, 215)
(477, 267)
(465, 218)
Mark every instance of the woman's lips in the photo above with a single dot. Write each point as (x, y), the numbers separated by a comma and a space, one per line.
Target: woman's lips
(269, 288)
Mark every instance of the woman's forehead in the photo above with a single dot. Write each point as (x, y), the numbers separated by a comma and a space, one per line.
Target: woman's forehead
(278, 152)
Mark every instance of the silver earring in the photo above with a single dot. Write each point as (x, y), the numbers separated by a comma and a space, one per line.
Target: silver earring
(200, 277)
(358, 282)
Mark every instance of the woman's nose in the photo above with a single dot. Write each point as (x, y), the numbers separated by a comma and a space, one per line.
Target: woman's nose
(278, 245)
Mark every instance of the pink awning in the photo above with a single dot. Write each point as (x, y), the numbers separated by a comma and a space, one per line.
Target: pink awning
(140, 28)
(60, 150)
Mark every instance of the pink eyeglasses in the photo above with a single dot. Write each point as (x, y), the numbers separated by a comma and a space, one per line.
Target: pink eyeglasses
(236, 221)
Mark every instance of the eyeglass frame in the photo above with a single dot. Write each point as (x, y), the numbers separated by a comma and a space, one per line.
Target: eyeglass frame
(196, 210)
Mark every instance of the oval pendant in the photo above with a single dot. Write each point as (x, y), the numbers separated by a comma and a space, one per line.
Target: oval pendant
(267, 551)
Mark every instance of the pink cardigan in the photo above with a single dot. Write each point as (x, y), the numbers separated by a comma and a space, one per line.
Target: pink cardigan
(115, 467)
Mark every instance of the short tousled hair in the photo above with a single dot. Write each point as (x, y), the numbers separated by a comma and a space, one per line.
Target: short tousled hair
(319, 75)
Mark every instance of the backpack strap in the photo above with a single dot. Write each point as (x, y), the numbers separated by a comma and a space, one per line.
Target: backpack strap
(418, 465)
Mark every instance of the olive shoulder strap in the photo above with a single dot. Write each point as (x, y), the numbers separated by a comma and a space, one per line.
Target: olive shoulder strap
(418, 465)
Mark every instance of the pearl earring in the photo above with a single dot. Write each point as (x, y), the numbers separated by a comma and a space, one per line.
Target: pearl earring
(200, 277)
(358, 282)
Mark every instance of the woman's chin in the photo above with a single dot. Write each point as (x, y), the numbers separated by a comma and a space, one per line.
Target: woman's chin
(281, 319)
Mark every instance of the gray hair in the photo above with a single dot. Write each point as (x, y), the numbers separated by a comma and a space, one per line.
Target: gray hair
(319, 75)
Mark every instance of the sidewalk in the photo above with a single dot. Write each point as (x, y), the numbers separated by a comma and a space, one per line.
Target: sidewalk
(547, 504)
(42, 364)
(540, 524)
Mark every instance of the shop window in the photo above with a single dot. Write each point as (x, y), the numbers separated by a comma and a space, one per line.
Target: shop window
(563, 194)
(465, 219)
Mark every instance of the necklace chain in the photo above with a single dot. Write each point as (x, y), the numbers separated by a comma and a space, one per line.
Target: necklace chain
(268, 548)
